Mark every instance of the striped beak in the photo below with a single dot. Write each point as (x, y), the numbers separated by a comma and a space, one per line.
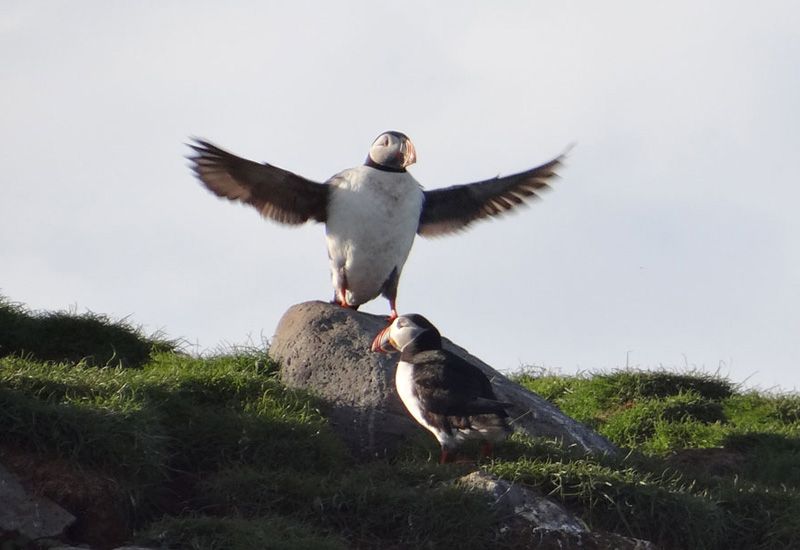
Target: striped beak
(410, 154)
(383, 342)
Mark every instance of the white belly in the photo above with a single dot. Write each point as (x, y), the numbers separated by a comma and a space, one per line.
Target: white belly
(405, 389)
(372, 221)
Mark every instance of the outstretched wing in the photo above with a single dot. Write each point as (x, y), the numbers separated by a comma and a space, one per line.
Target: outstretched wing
(454, 208)
(276, 193)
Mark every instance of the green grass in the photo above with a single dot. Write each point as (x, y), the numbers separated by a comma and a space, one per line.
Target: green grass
(591, 399)
(374, 504)
(730, 459)
(638, 410)
(625, 498)
(240, 448)
(213, 452)
(88, 338)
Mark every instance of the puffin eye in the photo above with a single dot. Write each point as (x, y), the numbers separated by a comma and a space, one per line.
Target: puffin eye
(385, 141)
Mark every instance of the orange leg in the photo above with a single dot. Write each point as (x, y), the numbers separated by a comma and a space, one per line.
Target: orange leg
(341, 291)
(341, 296)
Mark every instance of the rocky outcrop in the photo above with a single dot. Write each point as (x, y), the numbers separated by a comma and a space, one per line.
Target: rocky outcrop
(541, 522)
(512, 500)
(31, 516)
(34, 492)
(325, 349)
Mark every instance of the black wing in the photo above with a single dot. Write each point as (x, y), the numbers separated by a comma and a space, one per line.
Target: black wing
(454, 387)
(454, 208)
(276, 193)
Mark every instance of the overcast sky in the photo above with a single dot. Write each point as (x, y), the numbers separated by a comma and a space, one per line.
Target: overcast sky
(672, 239)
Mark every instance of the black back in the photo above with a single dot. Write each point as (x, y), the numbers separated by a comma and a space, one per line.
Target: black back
(448, 385)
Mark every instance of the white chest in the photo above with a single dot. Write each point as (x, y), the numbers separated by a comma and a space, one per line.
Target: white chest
(405, 389)
(364, 199)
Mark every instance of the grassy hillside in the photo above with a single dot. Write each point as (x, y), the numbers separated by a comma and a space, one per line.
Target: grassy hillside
(145, 443)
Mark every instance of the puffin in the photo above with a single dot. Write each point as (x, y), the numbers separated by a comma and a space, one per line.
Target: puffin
(371, 212)
(448, 396)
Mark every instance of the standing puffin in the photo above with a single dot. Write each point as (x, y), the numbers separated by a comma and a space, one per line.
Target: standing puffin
(448, 396)
(372, 212)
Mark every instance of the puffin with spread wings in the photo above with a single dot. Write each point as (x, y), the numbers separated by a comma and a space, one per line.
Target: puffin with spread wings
(371, 212)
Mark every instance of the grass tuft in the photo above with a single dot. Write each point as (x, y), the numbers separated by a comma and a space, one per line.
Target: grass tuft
(589, 398)
(89, 338)
(661, 424)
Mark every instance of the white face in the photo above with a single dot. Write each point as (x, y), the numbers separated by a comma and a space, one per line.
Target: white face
(402, 332)
(390, 149)
(396, 336)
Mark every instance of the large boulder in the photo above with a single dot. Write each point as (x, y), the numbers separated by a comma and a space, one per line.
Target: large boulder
(325, 349)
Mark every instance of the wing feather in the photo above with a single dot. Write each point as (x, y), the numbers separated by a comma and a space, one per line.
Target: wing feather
(276, 193)
(454, 208)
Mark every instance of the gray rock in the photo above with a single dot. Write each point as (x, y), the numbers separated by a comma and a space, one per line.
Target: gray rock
(32, 516)
(512, 500)
(530, 517)
(325, 349)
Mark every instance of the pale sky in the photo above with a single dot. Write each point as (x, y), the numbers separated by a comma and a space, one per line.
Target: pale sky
(671, 240)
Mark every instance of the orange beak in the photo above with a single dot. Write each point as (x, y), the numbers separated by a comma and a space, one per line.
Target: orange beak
(383, 342)
(410, 154)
